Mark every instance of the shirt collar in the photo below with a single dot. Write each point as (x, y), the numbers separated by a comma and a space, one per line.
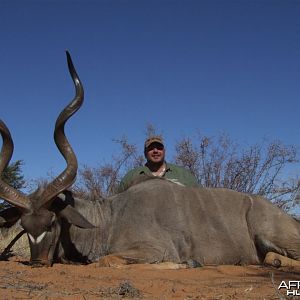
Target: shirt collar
(145, 169)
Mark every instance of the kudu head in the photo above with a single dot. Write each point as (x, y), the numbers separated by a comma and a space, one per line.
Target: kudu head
(41, 211)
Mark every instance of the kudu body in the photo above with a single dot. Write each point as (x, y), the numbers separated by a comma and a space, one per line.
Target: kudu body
(153, 221)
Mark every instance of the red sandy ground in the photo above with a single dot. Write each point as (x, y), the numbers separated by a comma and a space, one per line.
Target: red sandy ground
(20, 281)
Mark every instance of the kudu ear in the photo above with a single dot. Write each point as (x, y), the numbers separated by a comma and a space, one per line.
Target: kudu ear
(75, 218)
(9, 216)
(63, 207)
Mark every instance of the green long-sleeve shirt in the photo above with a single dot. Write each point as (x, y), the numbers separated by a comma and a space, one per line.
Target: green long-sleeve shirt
(174, 173)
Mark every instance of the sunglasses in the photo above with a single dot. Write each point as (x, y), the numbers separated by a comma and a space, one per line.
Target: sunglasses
(155, 146)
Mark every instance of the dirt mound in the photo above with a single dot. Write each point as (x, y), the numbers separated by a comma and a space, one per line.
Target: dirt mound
(20, 281)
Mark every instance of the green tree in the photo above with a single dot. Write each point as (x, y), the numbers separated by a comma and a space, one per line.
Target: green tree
(13, 176)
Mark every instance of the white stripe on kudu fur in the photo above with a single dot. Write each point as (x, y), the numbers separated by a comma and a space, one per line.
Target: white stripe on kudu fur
(38, 239)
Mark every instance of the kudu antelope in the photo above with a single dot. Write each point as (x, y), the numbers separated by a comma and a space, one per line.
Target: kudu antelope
(153, 221)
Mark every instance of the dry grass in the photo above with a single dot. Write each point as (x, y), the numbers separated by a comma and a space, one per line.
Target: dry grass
(20, 247)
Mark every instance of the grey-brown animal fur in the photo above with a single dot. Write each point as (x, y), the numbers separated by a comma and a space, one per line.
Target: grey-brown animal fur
(153, 221)
(157, 220)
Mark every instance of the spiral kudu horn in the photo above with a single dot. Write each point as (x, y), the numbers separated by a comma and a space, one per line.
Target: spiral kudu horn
(67, 177)
(7, 192)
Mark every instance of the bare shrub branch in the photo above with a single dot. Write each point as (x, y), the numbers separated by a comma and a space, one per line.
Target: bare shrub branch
(151, 131)
(257, 169)
(102, 181)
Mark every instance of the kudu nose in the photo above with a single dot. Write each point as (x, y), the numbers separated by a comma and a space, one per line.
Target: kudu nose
(37, 263)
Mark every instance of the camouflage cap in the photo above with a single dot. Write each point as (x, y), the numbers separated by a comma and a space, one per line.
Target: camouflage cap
(153, 139)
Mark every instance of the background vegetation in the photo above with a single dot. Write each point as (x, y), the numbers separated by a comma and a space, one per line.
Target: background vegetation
(13, 175)
(217, 162)
(261, 168)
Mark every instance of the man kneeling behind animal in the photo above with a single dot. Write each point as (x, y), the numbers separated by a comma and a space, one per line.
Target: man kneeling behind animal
(156, 166)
